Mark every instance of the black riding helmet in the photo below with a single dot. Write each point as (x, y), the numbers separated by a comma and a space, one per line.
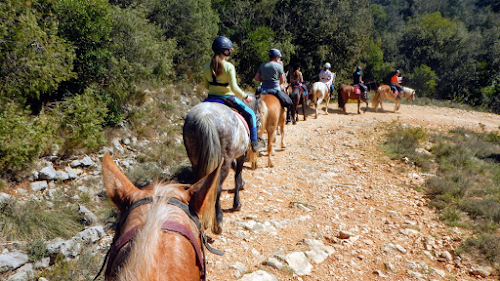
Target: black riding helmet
(273, 53)
(222, 43)
(358, 68)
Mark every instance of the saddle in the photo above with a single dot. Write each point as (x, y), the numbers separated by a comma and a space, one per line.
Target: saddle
(232, 109)
(357, 90)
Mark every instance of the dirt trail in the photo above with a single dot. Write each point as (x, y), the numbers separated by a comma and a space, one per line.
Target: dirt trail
(333, 167)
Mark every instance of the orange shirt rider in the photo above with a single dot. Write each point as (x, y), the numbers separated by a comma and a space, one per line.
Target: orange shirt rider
(395, 83)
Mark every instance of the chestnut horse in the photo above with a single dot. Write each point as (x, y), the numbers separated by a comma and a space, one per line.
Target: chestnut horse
(272, 116)
(212, 132)
(385, 92)
(346, 93)
(319, 92)
(159, 234)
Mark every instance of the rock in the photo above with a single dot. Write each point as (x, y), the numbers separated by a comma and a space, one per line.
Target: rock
(259, 275)
(48, 173)
(319, 252)
(91, 234)
(68, 248)
(61, 176)
(38, 185)
(273, 262)
(390, 267)
(345, 234)
(86, 161)
(446, 256)
(4, 197)
(12, 260)
(379, 273)
(117, 145)
(88, 217)
(483, 271)
(75, 163)
(239, 266)
(43, 263)
(298, 262)
(72, 174)
(23, 273)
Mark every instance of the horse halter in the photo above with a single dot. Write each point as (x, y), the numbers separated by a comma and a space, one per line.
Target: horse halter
(120, 241)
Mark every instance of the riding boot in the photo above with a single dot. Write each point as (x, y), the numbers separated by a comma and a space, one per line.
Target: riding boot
(256, 145)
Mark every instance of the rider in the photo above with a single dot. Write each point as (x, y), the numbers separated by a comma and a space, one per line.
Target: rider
(271, 75)
(296, 78)
(395, 80)
(220, 80)
(327, 77)
(358, 80)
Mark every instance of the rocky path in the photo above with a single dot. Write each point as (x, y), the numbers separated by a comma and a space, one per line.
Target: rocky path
(335, 208)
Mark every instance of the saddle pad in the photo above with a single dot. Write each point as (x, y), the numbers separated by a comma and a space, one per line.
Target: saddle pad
(235, 112)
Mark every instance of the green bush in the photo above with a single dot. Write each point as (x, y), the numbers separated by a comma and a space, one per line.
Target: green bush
(81, 119)
(23, 138)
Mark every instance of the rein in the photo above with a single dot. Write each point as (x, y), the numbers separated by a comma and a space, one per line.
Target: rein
(121, 240)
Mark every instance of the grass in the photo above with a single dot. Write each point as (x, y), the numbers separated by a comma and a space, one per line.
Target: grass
(466, 188)
(30, 220)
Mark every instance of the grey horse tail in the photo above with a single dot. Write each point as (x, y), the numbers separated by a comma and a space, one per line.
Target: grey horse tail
(208, 147)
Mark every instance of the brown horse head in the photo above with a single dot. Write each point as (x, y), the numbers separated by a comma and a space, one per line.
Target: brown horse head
(158, 236)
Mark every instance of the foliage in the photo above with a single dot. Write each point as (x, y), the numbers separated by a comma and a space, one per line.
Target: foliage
(37, 249)
(24, 138)
(81, 119)
(402, 141)
(34, 60)
(193, 25)
(423, 79)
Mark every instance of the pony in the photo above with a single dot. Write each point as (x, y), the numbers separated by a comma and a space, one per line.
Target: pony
(212, 132)
(372, 85)
(297, 98)
(159, 234)
(319, 92)
(272, 116)
(348, 92)
(385, 92)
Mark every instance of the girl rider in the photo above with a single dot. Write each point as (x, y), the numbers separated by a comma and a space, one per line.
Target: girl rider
(220, 80)
(327, 77)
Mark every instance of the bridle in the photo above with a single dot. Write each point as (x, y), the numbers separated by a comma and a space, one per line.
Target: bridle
(121, 241)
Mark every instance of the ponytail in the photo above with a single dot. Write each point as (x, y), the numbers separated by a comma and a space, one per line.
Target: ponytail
(216, 66)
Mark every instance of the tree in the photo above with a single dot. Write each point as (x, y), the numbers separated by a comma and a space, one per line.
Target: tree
(34, 60)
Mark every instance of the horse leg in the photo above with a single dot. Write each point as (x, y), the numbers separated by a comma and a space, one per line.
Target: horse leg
(398, 103)
(239, 183)
(270, 151)
(303, 99)
(359, 104)
(218, 209)
(282, 129)
(327, 101)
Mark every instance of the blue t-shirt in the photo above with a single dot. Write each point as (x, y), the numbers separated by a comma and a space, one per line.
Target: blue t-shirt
(355, 77)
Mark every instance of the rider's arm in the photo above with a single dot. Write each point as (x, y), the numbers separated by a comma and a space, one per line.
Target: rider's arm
(257, 77)
(233, 83)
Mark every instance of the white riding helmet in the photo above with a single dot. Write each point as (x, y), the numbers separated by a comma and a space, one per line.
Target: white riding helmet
(327, 65)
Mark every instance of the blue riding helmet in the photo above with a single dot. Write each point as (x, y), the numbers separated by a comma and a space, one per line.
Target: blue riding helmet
(273, 53)
(222, 43)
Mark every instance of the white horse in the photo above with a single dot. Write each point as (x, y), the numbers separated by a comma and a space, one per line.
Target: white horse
(385, 92)
(319, 92)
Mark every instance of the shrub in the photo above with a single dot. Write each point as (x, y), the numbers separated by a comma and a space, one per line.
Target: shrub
(23, 138)
(81, 119)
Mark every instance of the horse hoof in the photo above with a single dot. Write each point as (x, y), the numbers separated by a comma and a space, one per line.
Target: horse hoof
(242, 187)
(217, 229)
(237, 207)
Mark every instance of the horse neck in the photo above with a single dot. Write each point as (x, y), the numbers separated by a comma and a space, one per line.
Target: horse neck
(152, 247)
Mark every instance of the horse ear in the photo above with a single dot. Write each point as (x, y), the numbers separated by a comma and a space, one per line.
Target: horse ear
(118, 187)
(204, 196)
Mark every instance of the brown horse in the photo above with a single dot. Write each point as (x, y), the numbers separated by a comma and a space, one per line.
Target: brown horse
(385, 92)
(346, 93)
(272, 116)
(295, 93)
(159, 234)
